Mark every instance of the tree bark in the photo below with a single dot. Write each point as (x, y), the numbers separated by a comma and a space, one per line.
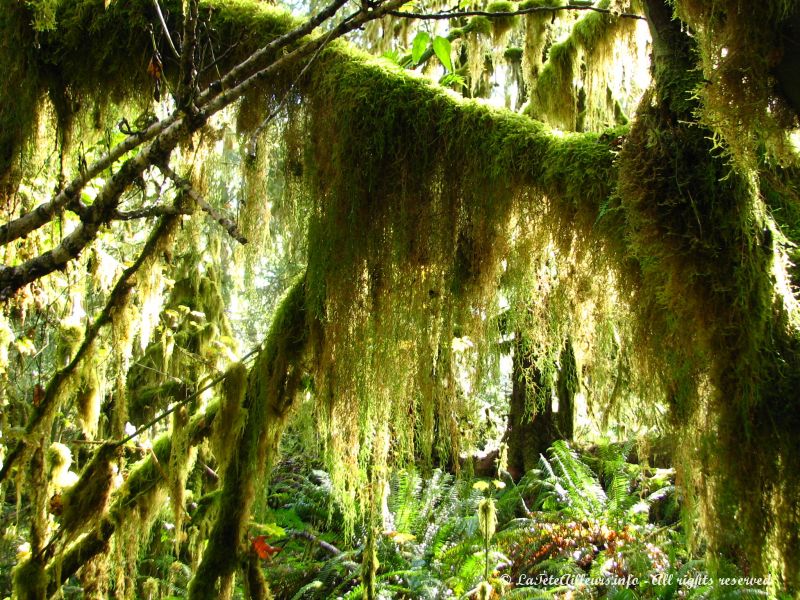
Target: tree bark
(533, 427)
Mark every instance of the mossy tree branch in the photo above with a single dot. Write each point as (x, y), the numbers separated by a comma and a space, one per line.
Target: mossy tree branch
(54, 395)
(525, 10)
(271, 387)
(145, 478)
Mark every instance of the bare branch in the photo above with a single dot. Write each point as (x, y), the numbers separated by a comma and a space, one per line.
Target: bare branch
(187, 188)
(43, 213)
(100, 213)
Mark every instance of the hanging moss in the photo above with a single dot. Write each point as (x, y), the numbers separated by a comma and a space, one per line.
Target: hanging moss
(195, 332)
(410, 218)
(21, 93)
(748, 56)
(580, 70)
(89, 398)
(538, 31)
(709, 303)
(501, 25)
(100, 52)
(70, 336)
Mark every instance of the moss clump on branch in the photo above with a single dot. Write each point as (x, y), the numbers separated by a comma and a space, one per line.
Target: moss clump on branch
(86, 500)
(501, 25)
(136, 502)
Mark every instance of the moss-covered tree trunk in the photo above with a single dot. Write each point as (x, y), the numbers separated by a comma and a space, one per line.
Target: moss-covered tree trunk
(730, 358)
(533, 425)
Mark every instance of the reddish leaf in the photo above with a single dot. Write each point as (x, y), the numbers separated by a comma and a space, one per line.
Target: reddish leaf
(263, 549)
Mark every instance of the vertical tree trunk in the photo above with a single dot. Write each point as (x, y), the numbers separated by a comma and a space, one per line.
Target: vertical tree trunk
(533, 427)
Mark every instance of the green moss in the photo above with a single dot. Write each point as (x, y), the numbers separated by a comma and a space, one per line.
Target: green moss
(479, 24)
(738, 45)
(30, 580)
(501, 6)
(501, 25)
(21, 93)
(540, 3)
(513, 54)
(95, 57)
(554, 96)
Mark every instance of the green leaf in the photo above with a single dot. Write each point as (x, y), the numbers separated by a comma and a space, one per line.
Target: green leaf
(420, 44)
(442, 48)
(392, 55)
(453, 80)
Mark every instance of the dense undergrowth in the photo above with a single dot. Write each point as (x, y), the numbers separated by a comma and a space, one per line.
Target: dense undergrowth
(584, 524)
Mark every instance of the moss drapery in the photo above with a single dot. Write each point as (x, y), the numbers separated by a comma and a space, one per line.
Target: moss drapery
(416, 197)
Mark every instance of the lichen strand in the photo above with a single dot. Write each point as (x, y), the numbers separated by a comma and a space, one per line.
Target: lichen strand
(271, 387)
(572, 90)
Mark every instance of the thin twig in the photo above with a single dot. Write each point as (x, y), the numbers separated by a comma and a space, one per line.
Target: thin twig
(186, 186)
(171, 45)
(187, 86)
